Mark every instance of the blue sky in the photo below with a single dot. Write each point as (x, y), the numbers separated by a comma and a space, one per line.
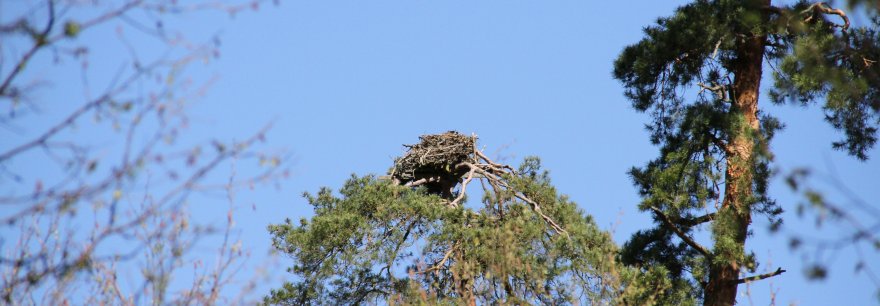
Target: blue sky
(347, 82)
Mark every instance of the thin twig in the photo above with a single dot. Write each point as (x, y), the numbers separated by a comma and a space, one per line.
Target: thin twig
(40, 41)
(45, 40)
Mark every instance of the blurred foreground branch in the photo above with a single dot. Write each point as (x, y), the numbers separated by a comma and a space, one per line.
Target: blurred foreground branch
(96, 191)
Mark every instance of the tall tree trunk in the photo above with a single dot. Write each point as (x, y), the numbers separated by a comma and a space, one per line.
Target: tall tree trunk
(735, 215)
(463, 282)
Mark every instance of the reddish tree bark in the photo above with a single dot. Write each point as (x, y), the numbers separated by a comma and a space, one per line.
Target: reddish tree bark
(724, 273)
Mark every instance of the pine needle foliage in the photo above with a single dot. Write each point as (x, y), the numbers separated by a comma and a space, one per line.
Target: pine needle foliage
(384, 243)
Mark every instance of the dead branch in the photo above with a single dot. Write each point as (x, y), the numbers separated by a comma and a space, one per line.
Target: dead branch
(421, 181)
(719, 90)
(463, 191)
(823, 8)
(760, 277)
(717, 46)
(537, 209)
(687, 239)
(494, 179)
(490, 162)
(698, 220)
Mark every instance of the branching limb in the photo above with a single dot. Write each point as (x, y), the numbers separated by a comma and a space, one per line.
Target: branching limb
(687, 239)
(463, 191)
(494, 179)
(77, 114)
(451, 159)
(44, 39)
(482, 156)
(823, 8)
(439, 264)
(761, 276)
(719, 90)
(492, 172)
(537, 209)
(40, 41)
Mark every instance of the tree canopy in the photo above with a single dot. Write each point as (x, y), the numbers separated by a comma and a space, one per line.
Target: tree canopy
(384, 240)
(698, 73)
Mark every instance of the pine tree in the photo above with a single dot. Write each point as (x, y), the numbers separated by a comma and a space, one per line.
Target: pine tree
(397, 240)
(698, 74)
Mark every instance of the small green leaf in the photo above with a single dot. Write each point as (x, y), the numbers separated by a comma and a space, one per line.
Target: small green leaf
(71, 29)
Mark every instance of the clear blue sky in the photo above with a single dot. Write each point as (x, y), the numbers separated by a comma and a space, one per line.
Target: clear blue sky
(348, 82)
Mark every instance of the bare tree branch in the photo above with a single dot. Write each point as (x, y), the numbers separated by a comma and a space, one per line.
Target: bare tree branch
(823, 8)
(39, 42)
(761, 276)
(698, 220)
(687, 239)
(65, 224)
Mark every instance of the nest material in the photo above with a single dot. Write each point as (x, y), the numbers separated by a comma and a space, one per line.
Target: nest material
(440, 162)
(435, 162)
(434, 155)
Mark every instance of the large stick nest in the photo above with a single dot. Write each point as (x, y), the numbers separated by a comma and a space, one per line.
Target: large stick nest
(435, 155)
(442, 162)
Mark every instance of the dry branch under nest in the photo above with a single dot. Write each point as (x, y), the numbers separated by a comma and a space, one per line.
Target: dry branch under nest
(440, 162)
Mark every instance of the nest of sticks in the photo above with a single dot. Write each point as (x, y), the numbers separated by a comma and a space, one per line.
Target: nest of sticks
(442, 162)
(434, 156)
